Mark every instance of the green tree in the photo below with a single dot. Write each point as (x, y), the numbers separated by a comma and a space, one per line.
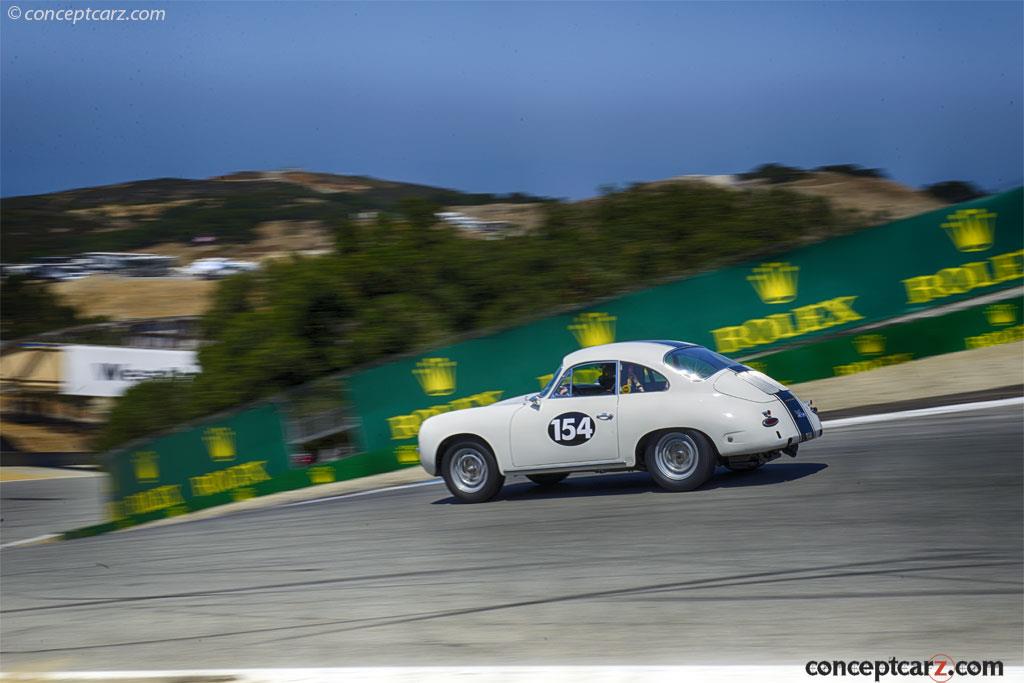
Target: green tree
(29, 307)
(146, 408)
(954, 191)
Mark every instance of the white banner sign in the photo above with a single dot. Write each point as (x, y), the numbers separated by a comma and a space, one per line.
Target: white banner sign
(110, 370)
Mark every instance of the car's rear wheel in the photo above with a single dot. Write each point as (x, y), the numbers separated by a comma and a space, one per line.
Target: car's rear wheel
(471, 472)
(547, 479)
(680, 460)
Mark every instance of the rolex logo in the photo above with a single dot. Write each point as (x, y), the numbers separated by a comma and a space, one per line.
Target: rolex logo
(971, 229)
(869, 344)
(220, 443)
(146, 467)
(1001, 314)
(775, 283)
(436, 376)
(592, 329)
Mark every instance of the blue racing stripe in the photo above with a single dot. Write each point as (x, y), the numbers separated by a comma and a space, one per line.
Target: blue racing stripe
(803, 423)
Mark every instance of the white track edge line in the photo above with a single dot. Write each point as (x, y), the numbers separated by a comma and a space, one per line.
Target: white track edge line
(924, 412)
(30, 541)
(356, 494)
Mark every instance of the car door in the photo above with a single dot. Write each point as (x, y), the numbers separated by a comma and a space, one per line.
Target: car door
(575, 424)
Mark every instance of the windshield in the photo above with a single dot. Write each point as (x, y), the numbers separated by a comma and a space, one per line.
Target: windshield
(699, 363)
(551, 380)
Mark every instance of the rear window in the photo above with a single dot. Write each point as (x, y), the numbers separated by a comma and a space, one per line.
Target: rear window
(699, 363)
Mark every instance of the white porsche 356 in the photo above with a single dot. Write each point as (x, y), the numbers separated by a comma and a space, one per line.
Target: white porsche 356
(672, 408)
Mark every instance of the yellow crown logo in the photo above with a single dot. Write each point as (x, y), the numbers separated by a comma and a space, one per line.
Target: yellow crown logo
(146, 467)
(407, 454)
(1001, 314)
(775, 283)
(592, 329)
(220, 443)
(971, 229)
(436, 376)
(869, 344)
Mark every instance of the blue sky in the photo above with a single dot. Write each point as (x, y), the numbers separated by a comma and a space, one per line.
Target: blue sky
(554, 99)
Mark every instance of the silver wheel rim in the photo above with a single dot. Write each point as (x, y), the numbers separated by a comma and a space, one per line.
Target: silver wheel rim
(677, 456)
(469, 470)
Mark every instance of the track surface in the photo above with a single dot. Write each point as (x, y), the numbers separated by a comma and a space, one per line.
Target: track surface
(35, 507)
(900, 539)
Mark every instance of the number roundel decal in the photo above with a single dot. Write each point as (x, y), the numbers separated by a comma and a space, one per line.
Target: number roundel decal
(571, 429)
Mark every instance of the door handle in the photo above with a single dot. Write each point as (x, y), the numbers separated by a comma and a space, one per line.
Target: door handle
(604, 416)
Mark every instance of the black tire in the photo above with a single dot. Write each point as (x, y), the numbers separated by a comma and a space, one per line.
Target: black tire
(547, 479)
(680, 459)
(471, 472)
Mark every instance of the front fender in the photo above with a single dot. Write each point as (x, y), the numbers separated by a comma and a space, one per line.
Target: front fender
(490, 423)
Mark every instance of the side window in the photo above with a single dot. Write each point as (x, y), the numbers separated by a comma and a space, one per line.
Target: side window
(636, 379)
(587, 379)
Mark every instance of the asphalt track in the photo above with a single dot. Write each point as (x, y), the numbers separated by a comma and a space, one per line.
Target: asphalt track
(36, 507)
(891, 539)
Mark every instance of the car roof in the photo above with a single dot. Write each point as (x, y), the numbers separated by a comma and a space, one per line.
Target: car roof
(647, 352)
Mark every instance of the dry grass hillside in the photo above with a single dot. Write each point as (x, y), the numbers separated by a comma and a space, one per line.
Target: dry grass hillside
(272, 214)
(870, 200)
(125, 298)
(274, 239)
(142, 215)
(875, 197)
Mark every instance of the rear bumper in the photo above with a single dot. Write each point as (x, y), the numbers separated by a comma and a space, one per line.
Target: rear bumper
(796, 423)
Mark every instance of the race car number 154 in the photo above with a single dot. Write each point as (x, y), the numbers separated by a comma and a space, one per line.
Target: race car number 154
(571, 429)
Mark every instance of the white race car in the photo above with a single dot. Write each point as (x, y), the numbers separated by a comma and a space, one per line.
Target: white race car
(672, 408)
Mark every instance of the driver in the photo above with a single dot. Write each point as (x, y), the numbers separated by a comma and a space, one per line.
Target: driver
(607, 379)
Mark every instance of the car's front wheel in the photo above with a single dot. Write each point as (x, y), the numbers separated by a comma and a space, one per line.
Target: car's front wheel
(680, 460)
(548, 479)
(471, 472)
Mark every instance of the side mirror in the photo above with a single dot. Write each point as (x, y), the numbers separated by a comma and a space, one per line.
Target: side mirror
(535, 401)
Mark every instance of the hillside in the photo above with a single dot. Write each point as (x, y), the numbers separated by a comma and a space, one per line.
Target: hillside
(241, 208)
(260, 214)
(862, 199)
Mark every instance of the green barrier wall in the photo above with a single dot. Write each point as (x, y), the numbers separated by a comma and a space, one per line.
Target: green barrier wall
(793, 298)
(977, 327)
(224, 459)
